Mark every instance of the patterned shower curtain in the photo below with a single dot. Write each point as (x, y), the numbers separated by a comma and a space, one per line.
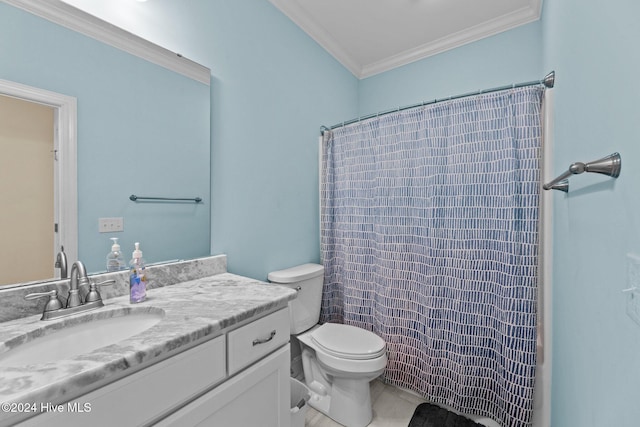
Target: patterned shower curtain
(429, 222)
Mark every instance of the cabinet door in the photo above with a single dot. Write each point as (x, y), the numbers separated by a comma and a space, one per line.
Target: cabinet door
(257, 396)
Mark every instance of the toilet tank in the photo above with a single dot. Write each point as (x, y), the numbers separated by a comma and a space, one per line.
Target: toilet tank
(307, 280)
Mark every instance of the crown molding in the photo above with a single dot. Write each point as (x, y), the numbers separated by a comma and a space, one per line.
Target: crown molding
(77, 20)
(452, 41)
(323, 38)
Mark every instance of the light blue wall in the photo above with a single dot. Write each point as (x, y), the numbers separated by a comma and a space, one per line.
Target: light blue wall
(141, 130)
(596, 347)
(272, 88)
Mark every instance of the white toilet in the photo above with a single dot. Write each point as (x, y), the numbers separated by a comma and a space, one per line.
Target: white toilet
(338, 360)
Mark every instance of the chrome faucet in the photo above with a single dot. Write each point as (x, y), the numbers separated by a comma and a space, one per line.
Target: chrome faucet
(78, 277)
(61, 263)
(77, 272)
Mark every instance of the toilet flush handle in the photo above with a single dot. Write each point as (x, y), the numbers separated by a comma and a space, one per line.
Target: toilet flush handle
(298, 288)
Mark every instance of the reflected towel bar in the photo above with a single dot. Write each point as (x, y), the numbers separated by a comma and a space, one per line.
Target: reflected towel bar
(609, 165)
(135, 198)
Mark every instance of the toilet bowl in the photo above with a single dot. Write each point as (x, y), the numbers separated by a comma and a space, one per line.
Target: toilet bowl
(339, 361)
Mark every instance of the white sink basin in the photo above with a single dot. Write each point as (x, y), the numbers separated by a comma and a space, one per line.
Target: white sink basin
(77, 339)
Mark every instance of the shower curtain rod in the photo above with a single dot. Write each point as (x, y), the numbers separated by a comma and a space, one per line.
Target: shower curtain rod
(548, 81)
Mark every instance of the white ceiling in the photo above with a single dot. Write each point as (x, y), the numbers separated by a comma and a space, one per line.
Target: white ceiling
(372, 36)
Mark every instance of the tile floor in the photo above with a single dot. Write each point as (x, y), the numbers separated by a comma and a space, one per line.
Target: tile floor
(392, 407)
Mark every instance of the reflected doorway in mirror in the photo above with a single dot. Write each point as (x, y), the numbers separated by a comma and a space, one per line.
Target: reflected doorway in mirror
(58, 175)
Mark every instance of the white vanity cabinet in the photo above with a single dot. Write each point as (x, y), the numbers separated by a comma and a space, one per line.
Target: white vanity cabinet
(240, 378)
(256, 397)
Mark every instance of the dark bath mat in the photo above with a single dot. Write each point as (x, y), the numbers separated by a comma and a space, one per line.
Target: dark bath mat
(428, 415)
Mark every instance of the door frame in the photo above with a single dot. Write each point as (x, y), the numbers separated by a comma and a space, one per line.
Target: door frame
(65, 168)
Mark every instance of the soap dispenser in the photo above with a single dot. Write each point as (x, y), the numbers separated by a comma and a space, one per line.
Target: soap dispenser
(115, 261)
(137, 277)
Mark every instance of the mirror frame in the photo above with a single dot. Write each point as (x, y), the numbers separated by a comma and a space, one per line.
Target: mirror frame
(65, 142)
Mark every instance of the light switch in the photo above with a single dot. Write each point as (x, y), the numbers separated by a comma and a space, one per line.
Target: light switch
(633, 287)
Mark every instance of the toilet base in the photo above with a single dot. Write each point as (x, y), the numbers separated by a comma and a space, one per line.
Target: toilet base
(339, 386)
(349, 402)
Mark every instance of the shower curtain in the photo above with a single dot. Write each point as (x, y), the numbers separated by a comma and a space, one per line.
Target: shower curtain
(429, 238)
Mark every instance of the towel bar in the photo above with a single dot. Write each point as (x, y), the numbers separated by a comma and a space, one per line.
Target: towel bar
(135, 198)
(609, 165)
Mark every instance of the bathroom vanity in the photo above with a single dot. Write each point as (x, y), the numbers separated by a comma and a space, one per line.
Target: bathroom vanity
(219, 356)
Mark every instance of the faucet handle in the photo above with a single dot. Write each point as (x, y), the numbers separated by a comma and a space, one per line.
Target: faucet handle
(54, 302)
(93, 294)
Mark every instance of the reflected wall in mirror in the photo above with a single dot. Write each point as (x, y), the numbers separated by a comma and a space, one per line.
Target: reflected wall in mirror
(141, 129)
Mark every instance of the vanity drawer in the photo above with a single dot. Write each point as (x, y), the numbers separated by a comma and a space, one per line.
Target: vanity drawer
(251, 342)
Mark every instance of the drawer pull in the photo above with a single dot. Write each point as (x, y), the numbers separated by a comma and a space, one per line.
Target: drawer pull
(262, 341)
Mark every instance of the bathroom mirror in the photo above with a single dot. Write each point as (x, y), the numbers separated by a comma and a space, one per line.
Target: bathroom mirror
(142, 129)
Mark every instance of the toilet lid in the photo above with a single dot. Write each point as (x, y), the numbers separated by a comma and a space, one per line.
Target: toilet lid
(348, 342)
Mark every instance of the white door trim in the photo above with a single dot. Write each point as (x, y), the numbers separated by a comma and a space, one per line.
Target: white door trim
(65, 169)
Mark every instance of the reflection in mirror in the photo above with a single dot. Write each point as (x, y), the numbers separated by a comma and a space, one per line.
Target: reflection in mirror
(37, 181)
(26, 218)
(141, 129)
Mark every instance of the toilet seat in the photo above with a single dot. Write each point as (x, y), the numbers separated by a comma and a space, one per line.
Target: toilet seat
(348, 342)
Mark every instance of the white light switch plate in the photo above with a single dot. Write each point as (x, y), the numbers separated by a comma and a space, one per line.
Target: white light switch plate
(109, 225)
(633, 287)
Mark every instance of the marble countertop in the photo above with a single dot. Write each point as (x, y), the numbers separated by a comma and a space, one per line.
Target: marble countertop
(194, 311)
